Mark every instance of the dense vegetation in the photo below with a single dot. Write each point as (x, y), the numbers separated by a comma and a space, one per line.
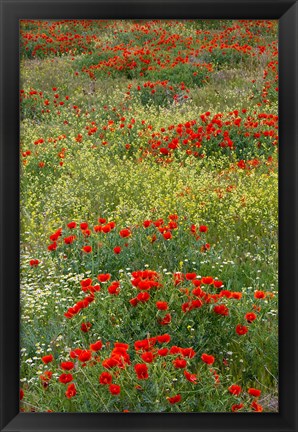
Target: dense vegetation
(149, 176)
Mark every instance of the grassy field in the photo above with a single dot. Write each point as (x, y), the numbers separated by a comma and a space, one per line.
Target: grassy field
(149, 216)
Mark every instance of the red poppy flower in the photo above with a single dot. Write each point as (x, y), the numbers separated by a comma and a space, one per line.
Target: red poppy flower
(178, 278)
(198, 292)
(203, 228)
(241, 164)
(117, 250)
(179, 363)
(166, 320)
(208, 359)
(250, 317)
(147, 357)
(145, 284)
(208, 280)
(75, 353)
(109, 363)
(186, 307)
(65, 378)
(174, 399)
(52, 246)
(96, 346)
(190, 276)
(190, 377)
(147, 223)
(69, 240)
(174, 350)
(235, 389)
(104, 277)
(188, 352)
(102, 220)
(158, 222)
(241, 330)
(46, 376)
(162, 150)
(134, 301)
(84, 355)
(105, 378)
(225, 293)
(21, 393)
(162, 305)
(86, 283)
(167, 235)
(193, 229)
(205, 247)
(237, 407)
(256, 407)
(125, 233)
(86, 233)
(143, 297)
(218, 283)
(114, 389)
(87, 249)
(221, 310)
(164, 338)
(47, 358)
(106, 229)
(254, 392)
(163, 352)
(236, 295)
(141, 370)
(121, 345)
(68, 365)
(259, 294)
(114, 288)
(85, 327)
(71, 225)
(71, 391)
(195, 304)
(34, 262)
(83, 226)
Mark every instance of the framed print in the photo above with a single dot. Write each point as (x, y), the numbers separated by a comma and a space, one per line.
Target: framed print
(148, 241)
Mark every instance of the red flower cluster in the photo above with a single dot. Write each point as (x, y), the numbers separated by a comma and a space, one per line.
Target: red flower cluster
(144, 281)
(119, 357)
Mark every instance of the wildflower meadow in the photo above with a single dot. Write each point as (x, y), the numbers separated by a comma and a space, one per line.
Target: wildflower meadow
(149, 216)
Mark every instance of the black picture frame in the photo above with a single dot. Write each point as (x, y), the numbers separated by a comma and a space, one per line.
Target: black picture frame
(287, 13)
